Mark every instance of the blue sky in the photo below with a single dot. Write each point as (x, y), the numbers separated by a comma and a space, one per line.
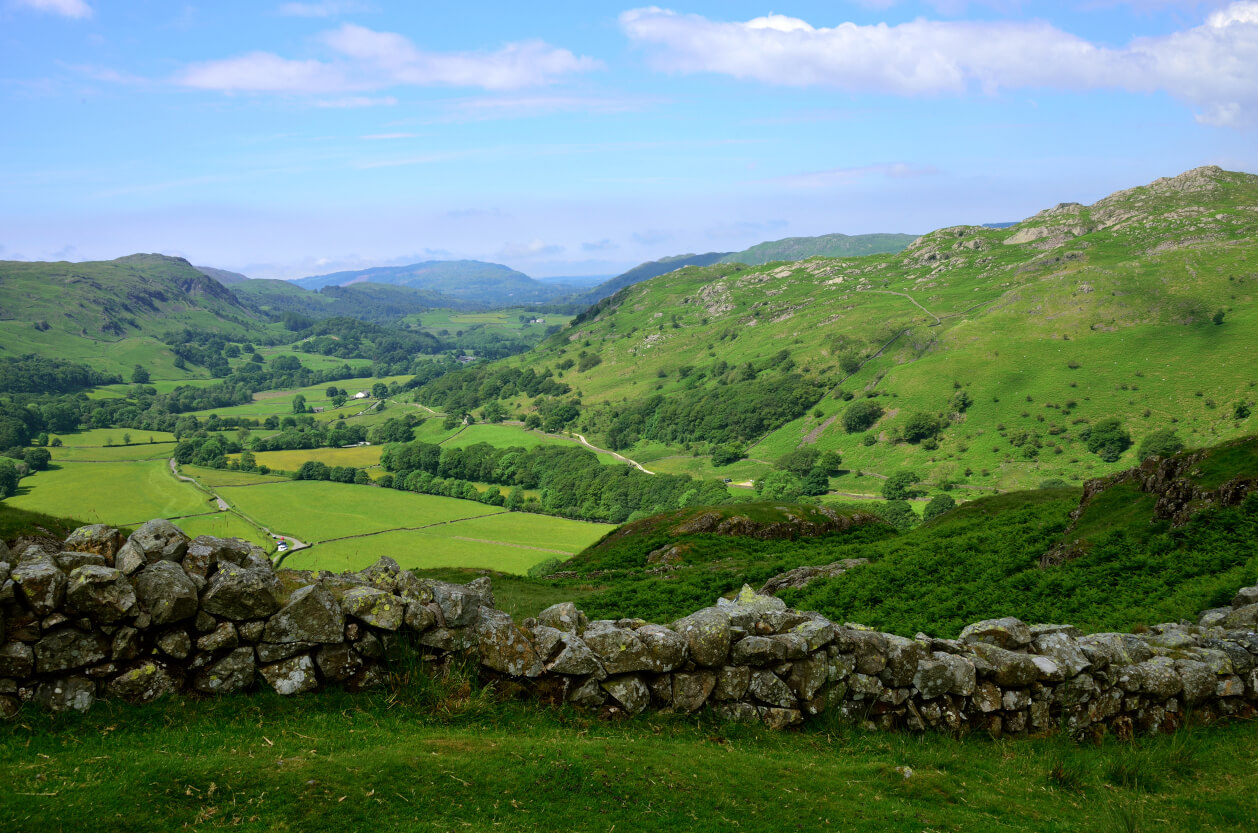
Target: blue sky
(285, 139)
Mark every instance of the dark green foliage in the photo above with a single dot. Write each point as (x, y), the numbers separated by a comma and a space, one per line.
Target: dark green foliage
(920, 426)
(37, 459)
(1107, 439)
(299, 404)
(861, 416)
(780, 485)
(1161, 443)
(140, 375)
(800, 461)
(8, 478)
(1240, 410)
(35, 374)
(1217, 318)
(898, 513)
(816, 482)
(393, 431)
(588, 361)
(723, 455)
(938, 505)
(899, 486)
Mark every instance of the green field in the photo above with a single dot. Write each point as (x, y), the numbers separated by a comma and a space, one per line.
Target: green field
(506, 436)
(225, 525)
(360, 456)
(102, 437)
(318, 511)
(505, 320)
(226, 477)
(114, 453)
(120, 494)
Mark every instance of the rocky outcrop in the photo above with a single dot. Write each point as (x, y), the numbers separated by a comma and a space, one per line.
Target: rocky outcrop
(231, 623)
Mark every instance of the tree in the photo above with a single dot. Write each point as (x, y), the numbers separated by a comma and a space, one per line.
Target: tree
(299, 404)
(723, 455)
(139, 375)
(920, 426)
(938, 505)
(1161, 443)
(8, 478)
(1217, 318)
(816, 482)
(898, 513)
(37, 459)
(379, 390)
(1108, 439)
(861, 416)
(780, 485)
(800, 461)
(899, 486)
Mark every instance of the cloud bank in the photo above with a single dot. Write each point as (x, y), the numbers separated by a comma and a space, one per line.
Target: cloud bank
(1210, 67)
(77, 9)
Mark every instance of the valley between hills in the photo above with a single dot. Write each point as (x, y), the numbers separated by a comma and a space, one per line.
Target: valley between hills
(1051, 420)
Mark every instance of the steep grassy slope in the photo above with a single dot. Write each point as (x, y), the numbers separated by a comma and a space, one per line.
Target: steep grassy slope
(109, 313)
(826, 245)
(1016, 341)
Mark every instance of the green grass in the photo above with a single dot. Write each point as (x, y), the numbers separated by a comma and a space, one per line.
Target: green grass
(360, 456)
(103, 437)
(115, 453)
(120, 494)
(226, 477)
(225, 525)
(504, 542)
(451, 756)
(506, 436)
(317, 511)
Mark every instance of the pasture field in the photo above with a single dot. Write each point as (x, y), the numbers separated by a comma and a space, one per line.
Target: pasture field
(279, 403)
(225, 525)
(317, 511)
(506, 320)
(101, 437)
(115, 453)
(359, 456)
(119, 494)
(505, 542)
(226, 477)
(506, 436)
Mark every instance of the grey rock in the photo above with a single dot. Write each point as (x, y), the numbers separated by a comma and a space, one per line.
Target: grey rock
(338, 662)
(238, 593)
(412, 588)
(274, 652)
(103, 594)
(448, 639)
(618, 649)
(903, 656)
(159, 540)
(707, 635)
(1007, 632)
(933, 678)
(778, 719)
(66, 694)
(504, 647)
(17, 660)
(311, 615)
(251, 631)
(575, 657)
(692, 689)
(1063, 650)
(808, 675)
(1156, 676)
(987, 697)
(98, 539)
(68, 561)
(375, 607)
(629, 690)
(588, 695)
(205, 552)
(232, 673)
(166, 592)
(126, 644)
(757, 650)
(546, 641)
(67, 648)
(1007, 668)
(291, 676)
(419, 617)
(732, 682)
(1245, 616)
(665, 649)
(769, 688)
(816, 634)
(1198, 681)
(40, 584)
(961, 670)
(459, 605)
(1214, 617)
(175, 643)
(204, 622)
(483, 587)
(130, 559)
(1246, 596)
(222, 638)
(145, 683)
(564, 617)
(738, 713)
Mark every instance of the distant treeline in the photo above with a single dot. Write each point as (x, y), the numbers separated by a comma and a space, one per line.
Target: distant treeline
(35, 374)
(572, 481)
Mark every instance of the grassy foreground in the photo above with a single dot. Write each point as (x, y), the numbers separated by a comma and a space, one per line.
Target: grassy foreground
(451, 756)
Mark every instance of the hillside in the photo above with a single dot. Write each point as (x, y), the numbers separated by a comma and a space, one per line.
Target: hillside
(223, 276)
(111, 313)
(365, 301)
(826, 245)
(986, 355)
(642, 272)
(490, 284)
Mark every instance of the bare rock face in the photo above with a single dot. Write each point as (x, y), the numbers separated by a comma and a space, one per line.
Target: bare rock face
(234, 672)
(291, 676)
(338, 662)
(103, 594)
(311, 615)
(375, 607)
(166, 592)
(239, 593)
(40, 584)
(143, 684)
(95, 538)
(803, 576)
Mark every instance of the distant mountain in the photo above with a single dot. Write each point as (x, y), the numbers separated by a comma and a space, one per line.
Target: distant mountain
(826, 245)
(790, 249)
(223, 276)
(488, 284)
(644, 272)
(111, 314)
(374, 302)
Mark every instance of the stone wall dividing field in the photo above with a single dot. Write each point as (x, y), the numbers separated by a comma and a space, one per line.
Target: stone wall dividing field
(158, 614)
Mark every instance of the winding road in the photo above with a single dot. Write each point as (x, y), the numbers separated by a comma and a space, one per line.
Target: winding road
(294, 544)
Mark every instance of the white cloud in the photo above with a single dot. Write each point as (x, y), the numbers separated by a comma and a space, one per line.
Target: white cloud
(533, 248)
(367, 60)
(327, 8)
(77, 9)
(1210, 66)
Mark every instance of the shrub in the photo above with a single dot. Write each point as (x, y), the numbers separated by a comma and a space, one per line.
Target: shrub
(920, 426)
(938, 505)
(899, 486)
(861, 416)
(1108, 439)
(1162, 443)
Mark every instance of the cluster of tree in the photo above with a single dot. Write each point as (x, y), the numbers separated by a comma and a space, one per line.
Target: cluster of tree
(424, 483)
(315, 470)
(302, 432)
(35, 374)
(208, 451)
(804, 472)
(461, 391)
(392, 350)
(1107, 439)
(572, 481)
(725, 414)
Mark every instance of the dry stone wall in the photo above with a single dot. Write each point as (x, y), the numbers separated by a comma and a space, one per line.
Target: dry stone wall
(159, 614)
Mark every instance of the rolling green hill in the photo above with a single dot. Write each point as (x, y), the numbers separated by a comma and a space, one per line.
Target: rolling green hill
(986, 355)
(489, 284)
(109, 314)
(827, 245)
(365, 301)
